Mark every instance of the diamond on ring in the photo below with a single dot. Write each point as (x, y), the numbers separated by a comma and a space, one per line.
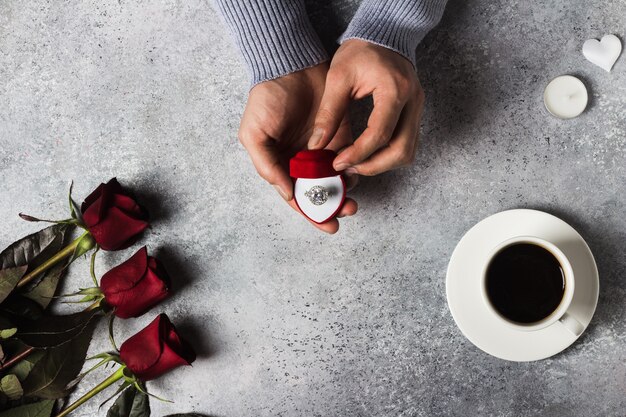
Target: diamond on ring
(318, 195)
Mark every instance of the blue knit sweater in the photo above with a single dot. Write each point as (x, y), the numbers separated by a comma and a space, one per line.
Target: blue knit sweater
(276, 38)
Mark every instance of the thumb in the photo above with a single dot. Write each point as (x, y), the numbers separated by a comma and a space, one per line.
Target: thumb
(333, 108)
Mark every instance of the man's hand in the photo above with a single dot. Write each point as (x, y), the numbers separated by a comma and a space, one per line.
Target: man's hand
(277, 123)
(357, 70)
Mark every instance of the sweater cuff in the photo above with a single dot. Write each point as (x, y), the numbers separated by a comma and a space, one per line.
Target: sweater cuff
(275, 37)
(397, 25)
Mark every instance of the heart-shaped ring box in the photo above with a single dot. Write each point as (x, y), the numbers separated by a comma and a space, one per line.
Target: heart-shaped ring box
(319, 190)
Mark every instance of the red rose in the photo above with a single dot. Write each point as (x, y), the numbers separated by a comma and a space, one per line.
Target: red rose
(112, 216)
(136, 285)
(156, 350)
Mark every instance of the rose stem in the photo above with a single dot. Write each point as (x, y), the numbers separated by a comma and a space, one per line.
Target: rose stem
(117, 375)
(16, 358)
(58, 257)
(93, 306)
(92, 266)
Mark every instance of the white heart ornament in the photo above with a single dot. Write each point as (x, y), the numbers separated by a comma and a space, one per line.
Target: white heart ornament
(604, 52)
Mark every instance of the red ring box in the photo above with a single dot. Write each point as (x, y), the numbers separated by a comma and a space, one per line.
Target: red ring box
(314, 168)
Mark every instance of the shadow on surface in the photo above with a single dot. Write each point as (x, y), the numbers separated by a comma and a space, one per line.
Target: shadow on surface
(602, 247)
(198, 336)
(153, 201)
(191, 415)
(330, 19)
(181, 269)
(457, 80)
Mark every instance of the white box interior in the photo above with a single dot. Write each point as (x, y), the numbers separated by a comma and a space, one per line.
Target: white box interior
(335, 188)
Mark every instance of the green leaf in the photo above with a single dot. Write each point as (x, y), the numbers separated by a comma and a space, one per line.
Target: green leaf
(19, 308)
(30, 252)
(43, 292)
(23, 367)
(40, 409)
(52, 375)
(5, 323)
(11, 347)
(11, 387)
(9, 277)
(26, 251)
(51, 331)
(6, 333)
(131, 403)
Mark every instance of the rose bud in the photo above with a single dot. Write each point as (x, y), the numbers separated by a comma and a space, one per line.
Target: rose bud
(112, 216)
(135, 286)
(156, 350)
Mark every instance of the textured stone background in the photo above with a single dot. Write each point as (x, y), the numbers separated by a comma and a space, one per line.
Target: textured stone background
(288, 321)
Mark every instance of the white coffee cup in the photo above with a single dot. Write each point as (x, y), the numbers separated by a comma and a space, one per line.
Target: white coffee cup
(559, 316)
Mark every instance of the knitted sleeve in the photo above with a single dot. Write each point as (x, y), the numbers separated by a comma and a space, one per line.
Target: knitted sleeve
(399, 25)
(275, 37)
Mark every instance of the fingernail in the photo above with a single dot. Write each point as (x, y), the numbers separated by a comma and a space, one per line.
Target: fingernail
(316, 137)
(341, 166)
(282, 193)
(351, 171)
(352, 180)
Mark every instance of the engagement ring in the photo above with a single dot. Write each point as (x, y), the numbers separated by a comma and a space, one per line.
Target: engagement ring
(318, 195)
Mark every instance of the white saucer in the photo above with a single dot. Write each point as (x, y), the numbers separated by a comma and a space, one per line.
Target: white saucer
(463, 285)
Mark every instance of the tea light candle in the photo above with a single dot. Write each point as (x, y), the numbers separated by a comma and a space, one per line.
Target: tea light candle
(565, 97)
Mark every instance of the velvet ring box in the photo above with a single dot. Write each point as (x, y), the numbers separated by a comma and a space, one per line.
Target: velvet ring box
(319, 190)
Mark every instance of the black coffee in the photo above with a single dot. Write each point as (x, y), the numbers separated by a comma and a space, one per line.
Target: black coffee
(525, 282)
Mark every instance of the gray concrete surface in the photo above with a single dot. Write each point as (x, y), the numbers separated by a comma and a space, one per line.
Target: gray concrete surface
(288, 321)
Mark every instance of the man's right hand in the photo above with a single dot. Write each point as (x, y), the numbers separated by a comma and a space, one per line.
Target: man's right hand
(359, 69)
